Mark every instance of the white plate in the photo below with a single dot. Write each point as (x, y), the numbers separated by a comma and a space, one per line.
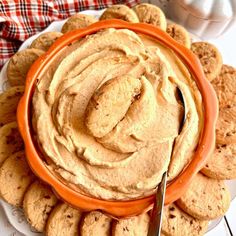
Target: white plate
(16, 215)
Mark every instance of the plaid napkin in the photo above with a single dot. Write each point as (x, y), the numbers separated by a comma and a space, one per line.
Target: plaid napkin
(20, 19)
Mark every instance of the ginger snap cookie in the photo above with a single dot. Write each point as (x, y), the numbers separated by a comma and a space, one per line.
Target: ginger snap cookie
(8, 104)
(206, 198)
(177, 223)
(39, 201)
(222, 164)
(20, 64)
(63, 220)
(10, 141)
(44, 41)
(151, 14)
(226, 126)
(121, 12)
(137, 225)
(179, 33)
(224, 86)
(210, 58)
(15, 177)
(95, 223)
(104, 110)
(77, 21)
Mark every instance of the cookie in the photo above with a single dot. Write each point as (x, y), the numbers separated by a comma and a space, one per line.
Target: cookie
(226, 126)
(206, 198)
(222, 164)
(104, 110)
(15, 177)
(44, 41)
(63, 220)
(179, 33)
(121, 12)
(137, 226)
(10, 140)
(95, 223)
(151, 14)
(224, 86)
(77, 21)
(209, 57)
(175, 222)
(38, 202)
(20, 64)
(8, 104)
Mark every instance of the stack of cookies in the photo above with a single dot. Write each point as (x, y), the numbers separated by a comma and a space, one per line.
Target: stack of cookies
(207, 197)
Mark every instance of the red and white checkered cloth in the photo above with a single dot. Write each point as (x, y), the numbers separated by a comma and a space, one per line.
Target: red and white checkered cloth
(20, 19)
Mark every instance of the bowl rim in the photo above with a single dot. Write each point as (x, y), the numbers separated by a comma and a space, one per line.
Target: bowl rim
(131, 207)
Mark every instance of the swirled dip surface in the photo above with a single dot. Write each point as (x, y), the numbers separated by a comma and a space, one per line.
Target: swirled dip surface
(109, 117)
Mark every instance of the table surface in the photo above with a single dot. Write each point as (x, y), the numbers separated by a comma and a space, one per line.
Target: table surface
(227, 45)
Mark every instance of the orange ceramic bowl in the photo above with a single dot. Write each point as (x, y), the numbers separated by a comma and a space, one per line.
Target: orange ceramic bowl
(120, 208)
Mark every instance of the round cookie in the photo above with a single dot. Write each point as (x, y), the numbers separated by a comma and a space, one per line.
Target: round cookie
(151, 14)
(224, 86)
(104, 110)
(226, 126)
(15, 177)
(8, 104)
(179, 33)
(95, 223)
(137, 225)
(20, 64)
(38, 202)
(175, 222)
(10, 140)
(121, 12)
(206, 198)
(63, 220)
(77, 21)
(44, 41)
(222, 164)
(209, 57)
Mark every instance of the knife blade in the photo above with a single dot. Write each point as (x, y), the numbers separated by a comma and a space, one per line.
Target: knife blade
(156, 215)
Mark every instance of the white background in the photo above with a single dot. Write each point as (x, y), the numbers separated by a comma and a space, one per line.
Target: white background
(227, 46)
